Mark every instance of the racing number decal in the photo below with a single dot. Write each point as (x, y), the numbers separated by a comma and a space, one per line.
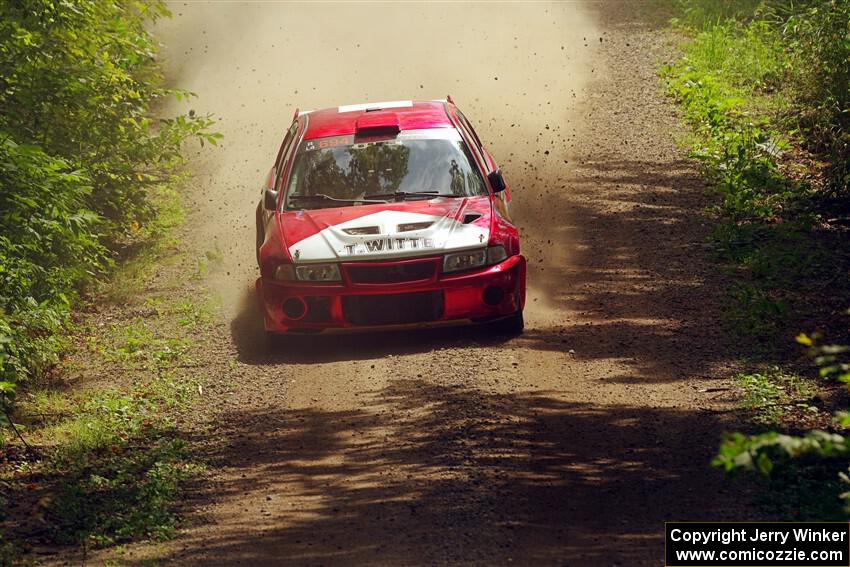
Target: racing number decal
(325, 143)
(333, 142)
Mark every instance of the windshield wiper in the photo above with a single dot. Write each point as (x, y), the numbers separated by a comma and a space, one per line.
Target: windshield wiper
(402, 195)
(323, 197)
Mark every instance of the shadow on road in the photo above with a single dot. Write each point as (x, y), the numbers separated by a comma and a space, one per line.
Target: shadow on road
(461, 474)
(627, 270)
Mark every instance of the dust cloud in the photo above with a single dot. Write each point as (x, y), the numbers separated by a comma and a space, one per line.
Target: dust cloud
(518, 71)
(462, 447)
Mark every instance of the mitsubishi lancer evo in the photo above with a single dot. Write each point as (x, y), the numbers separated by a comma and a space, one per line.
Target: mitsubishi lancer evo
(387, 214)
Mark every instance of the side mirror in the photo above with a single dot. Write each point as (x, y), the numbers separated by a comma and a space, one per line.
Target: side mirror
(497, 182)
(270, 199)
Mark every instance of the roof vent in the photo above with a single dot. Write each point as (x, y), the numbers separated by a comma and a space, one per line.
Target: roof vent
(376, 124)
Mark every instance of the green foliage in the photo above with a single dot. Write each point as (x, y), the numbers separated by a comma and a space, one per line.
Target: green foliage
(759, 80)
(803, 489)
(80, 159)
(112, 465)
(87, 173)
(137, 345)
(760, 452)
(48, 245)
(119, 467)
(739, 58)
(718, 83)
(797, 477)
(153, 243)
(763, 82)
(818, 39)
(753, 312)
(129, 495)
(833, 360)
(796, 51)
(772, 392)
(78, 80)
(704, 13)
(812, 455)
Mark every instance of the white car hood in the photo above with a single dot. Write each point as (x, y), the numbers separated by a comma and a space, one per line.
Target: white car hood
(397, 230)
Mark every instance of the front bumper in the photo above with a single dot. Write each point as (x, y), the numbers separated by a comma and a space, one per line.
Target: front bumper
(489, 293)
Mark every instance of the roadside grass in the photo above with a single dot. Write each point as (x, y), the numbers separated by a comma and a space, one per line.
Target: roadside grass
(137, 345)
(109, 460)
(114, 467)
(755, 96)
(90, 386)
(725, 85)
(703, 13)
(146, 247)
(770, 237)
(744, 61)
(770, 395)
(780, 277)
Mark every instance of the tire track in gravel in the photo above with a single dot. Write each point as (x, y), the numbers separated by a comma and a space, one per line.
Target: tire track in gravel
(569, 445)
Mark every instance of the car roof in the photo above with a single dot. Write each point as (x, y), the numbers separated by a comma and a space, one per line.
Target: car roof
(409, 115)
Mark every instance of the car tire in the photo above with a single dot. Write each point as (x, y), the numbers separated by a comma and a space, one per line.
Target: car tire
(513, 325)
(275, 340)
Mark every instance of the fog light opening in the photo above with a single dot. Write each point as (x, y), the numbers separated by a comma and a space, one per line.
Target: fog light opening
(493, 295)
(294, 308)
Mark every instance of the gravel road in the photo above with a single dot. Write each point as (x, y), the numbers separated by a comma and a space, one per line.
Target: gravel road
(570, 445)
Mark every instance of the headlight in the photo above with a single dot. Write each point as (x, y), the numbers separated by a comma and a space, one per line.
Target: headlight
(474, 259)
(496, 254)
(318, 273)
(464, 260)
(284, 272)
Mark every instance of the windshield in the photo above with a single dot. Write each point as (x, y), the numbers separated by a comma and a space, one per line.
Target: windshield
(426, 164)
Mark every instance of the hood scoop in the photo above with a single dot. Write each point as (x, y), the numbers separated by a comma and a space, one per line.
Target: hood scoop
(361, 230)
(471, 217)
(411, 226)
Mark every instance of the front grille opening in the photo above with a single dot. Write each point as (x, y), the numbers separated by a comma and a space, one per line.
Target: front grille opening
(318, 309)
(395, 309)
(391, 273)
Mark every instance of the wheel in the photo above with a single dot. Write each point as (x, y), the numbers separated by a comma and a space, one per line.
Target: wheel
(513, 325)
(275, 340)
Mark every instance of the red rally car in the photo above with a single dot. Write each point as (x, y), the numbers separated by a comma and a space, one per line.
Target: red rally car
(386, 214)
